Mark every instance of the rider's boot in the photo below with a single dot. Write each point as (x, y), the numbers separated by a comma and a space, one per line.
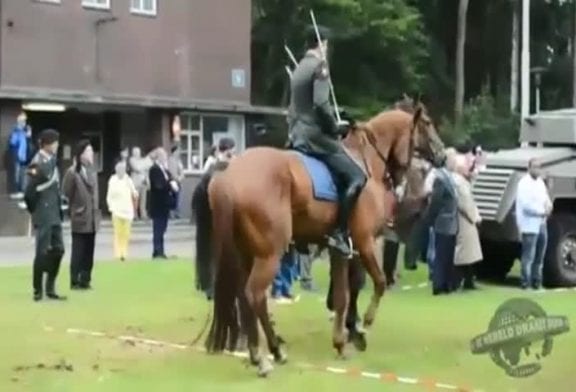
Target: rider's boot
(339, 238)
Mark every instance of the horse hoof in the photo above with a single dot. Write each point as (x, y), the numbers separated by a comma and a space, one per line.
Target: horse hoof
(280, 357)
(358, 339)
(368, 322)
(264, 369)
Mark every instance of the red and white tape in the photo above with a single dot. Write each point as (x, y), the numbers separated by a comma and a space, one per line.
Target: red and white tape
(352, 372)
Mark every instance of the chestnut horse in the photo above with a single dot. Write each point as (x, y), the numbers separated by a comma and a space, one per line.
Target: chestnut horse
(264, 199)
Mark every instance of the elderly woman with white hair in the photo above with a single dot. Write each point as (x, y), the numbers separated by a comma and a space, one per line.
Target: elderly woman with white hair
(468, 249)
(122, 198)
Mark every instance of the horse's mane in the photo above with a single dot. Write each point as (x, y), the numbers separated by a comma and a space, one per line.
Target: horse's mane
(408, 105)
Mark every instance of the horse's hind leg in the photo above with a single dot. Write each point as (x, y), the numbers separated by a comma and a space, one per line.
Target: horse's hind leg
(263, 272)
(340, 299)
(250, 327)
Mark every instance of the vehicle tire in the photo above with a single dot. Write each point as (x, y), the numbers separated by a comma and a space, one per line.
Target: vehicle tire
(560, 261)
(499, 257)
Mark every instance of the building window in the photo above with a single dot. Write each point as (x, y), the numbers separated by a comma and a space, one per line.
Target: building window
(145, 7)
(100, 4)
(202, 131)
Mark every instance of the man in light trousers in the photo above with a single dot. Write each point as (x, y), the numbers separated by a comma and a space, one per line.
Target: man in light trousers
(533, 206)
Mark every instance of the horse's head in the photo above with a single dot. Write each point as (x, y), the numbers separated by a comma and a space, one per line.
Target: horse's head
(425, 140)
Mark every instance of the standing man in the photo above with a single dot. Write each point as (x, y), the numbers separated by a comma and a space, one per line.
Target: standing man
(80, 186)
(315, 131)
(43, 200)
(442, 215)
(162, 190)
(138, 168)
(176, 170)
(533, 206)
(18, 146)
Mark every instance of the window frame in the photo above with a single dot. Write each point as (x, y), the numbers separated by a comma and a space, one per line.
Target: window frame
(142, 11)
(91, 4)
(58, 2)
(187, 134)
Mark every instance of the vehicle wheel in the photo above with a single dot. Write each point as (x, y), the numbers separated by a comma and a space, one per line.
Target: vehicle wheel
(560, 261)
(499, 257)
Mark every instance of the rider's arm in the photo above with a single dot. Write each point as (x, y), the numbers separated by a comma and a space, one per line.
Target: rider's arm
(322, 105)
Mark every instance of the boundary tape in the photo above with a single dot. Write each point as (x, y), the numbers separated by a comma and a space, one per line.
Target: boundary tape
(352, 372)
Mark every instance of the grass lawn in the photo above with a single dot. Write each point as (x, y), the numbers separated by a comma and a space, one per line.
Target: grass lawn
(415, 335)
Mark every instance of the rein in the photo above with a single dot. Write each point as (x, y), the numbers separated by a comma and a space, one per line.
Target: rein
(387, 179)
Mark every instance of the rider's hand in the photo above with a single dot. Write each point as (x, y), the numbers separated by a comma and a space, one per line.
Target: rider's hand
(342, 127)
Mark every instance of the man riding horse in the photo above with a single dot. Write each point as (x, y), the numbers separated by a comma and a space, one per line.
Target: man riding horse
(315, 131)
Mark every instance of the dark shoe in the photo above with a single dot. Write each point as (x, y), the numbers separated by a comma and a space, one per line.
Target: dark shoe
(75, 286)
(440, 291)
(161, 257)
(469, 287)
(56, 297)
(86, 286)
(37, 297)
(339, 242)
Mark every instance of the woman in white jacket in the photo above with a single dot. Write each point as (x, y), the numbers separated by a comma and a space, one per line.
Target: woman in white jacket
(121, 198)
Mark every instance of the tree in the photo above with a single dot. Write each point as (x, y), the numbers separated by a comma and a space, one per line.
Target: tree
(460, 60)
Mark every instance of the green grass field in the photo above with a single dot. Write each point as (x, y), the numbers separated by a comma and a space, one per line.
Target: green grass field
(415, 335)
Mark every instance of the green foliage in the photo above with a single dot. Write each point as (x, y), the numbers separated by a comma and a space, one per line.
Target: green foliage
(377, 53)
(485, 121)
(383, 48)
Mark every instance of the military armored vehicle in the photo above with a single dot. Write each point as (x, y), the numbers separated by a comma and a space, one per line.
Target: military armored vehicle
(549, 137)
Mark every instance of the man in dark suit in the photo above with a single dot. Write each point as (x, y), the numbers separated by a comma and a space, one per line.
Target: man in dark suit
(162, 191)
(442, 215)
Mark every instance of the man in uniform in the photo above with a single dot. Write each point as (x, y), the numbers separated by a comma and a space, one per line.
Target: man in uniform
(45, 207)
(315, 131)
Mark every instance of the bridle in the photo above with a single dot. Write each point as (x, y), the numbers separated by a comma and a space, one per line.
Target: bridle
(387, 179)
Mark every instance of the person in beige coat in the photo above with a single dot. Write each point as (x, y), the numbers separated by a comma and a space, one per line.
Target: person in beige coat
(468, 249)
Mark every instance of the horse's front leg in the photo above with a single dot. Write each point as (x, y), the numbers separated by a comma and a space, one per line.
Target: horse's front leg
(340, 299)
(370, 262)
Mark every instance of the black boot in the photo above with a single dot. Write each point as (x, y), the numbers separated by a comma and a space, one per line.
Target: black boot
(51, 292)
(55, 258)
(339, 239)
(37, 275)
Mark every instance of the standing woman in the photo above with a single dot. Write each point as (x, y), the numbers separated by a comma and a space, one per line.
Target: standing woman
(122, 200)
(80, 186)
(468, 249)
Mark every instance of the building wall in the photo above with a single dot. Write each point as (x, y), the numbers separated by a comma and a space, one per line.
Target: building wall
(187, 51)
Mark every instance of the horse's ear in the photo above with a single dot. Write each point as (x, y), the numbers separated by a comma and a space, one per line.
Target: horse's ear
(418, 113)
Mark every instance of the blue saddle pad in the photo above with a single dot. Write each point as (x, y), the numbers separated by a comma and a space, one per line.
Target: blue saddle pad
(323, 185)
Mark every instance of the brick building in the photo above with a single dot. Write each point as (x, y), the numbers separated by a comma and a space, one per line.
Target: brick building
(118, 71)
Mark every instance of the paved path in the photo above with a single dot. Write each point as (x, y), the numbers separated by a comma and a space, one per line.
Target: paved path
(179, 242)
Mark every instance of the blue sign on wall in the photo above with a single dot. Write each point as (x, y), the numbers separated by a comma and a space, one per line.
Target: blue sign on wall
(238, 78)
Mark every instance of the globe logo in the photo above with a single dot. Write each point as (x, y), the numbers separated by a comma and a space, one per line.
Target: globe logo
(520, 335)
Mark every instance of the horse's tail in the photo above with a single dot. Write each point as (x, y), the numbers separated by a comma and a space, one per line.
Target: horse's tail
(225, 329)
(204, 262)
